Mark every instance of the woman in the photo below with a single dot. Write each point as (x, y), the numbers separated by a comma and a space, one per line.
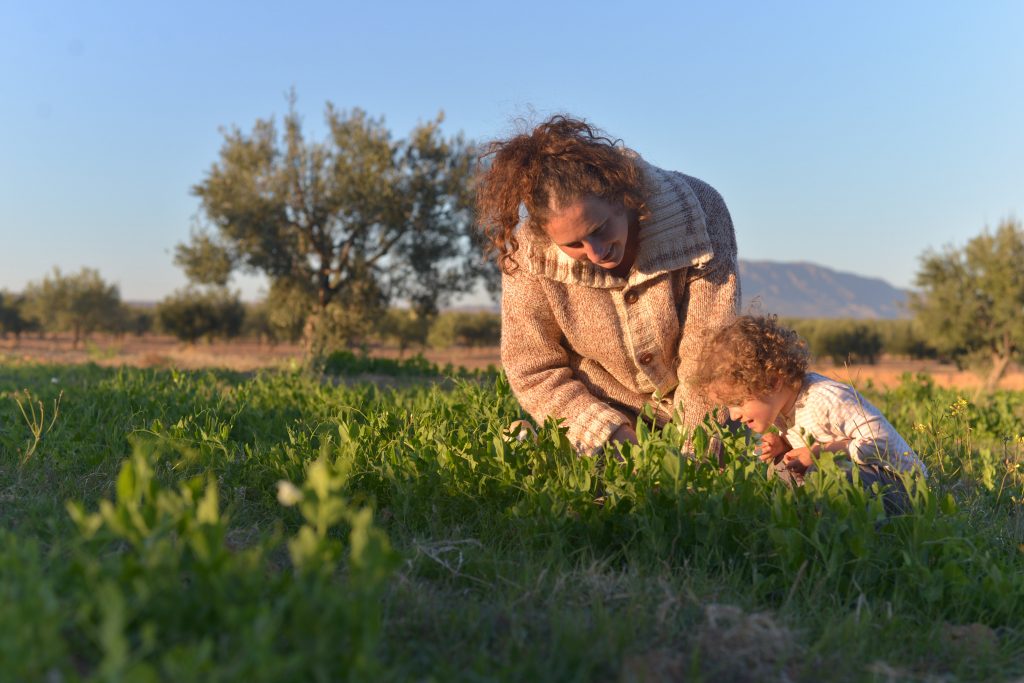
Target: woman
(611, 270)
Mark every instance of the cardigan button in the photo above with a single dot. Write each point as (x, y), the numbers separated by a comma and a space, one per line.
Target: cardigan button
(631, 297)
(646, 359)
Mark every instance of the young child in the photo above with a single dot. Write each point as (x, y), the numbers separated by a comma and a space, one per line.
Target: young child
(758, 370)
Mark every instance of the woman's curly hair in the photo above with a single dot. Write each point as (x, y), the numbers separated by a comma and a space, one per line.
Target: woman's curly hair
(747, 357)
(559, 161)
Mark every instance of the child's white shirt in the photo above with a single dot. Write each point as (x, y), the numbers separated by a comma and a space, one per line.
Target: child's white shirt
(826, 411)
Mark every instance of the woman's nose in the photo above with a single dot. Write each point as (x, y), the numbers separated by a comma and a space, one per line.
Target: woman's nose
(594, 249)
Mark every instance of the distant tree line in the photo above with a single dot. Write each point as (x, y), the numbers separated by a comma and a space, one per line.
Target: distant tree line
(862, 341)
(82, 304)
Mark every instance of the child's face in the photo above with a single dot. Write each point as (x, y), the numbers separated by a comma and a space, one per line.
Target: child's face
(760, 412)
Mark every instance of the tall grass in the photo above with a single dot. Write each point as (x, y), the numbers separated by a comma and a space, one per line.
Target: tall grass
(216, 526)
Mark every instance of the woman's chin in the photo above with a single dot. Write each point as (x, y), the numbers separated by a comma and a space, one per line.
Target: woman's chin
(613, 262)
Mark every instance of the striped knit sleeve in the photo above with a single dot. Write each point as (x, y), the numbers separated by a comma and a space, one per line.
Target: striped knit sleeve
(712, 299)
(538, 369)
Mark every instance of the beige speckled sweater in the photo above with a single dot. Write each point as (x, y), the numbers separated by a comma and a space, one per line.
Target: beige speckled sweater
(589, 347)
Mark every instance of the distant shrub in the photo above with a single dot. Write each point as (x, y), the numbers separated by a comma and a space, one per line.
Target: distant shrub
(856, 343)
(905, 338)
(193, 314)
(13, 319)
(455, 328)
(403, 328)
(133, 319)
(256, 324)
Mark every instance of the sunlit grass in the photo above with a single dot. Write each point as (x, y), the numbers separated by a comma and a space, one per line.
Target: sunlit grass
(216, 526)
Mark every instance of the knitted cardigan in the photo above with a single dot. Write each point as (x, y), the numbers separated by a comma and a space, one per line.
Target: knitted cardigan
(583, 345)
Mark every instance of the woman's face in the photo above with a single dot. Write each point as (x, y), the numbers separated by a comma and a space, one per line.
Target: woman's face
(591, 229)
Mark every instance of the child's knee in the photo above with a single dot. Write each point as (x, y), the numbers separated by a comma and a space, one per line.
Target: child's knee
(895, 498)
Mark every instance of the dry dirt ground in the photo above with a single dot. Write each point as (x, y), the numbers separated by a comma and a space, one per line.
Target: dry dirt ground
(161, 351)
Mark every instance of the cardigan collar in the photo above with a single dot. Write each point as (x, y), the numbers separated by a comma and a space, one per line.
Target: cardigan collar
(674, 236)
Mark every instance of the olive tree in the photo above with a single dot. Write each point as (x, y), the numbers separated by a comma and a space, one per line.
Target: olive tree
(81, 303)
(359, 219)
(971, 300)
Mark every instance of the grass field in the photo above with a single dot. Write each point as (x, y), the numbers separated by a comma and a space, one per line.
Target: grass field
(172, 525)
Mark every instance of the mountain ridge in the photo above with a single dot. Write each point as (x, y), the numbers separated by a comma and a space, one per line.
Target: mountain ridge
(801, 289)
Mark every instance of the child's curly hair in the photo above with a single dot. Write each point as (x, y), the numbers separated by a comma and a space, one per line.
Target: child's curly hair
(747, 357)
(561, 160)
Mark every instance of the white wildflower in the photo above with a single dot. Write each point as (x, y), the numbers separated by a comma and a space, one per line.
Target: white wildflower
(520, 430)
(288, 494)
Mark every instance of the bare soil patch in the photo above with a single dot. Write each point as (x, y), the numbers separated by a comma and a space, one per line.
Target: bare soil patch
(150, 351)
(889, 371)
(247, 355)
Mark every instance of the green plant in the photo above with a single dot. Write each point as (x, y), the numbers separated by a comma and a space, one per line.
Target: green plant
(222, 526)
(35, 420)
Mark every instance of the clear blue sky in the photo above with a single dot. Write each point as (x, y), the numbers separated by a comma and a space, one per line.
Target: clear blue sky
(851, 134)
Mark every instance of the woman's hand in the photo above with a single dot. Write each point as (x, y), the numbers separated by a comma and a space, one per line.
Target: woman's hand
(624, 434)
(773, 446)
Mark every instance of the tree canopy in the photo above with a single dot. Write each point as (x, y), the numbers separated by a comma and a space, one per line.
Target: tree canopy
(81, 303)
(358, 219)
(971, 300)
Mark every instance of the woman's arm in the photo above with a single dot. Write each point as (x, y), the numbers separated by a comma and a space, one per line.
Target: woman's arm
(712, 298)
(537, 366)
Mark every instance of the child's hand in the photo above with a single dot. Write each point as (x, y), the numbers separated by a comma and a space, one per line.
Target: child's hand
(773, 446)
(798, 459)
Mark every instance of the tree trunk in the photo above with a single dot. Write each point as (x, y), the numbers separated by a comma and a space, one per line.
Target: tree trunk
(1000, 361)
(311, 340)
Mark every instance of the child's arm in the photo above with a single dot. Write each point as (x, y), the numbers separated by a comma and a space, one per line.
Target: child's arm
(871, 439)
